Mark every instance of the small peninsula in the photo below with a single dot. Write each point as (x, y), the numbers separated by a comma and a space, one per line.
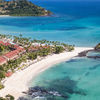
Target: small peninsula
(22, 8)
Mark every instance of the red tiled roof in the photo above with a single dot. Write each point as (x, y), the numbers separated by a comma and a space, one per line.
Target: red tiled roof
(8, 74)
(32, 48)
(2, 59)
(11, 54)
(1, 42)
(20, 49)
(16, 46)
(45, 46)
(7, 44)
(37, 47)
(14, 53)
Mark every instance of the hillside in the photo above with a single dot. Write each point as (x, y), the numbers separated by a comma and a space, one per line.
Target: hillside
(22, 8)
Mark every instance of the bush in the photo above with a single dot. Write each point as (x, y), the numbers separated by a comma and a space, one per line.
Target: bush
(9, 97)
(1, 98)
(59, 49)
(70, 48)
(1, 86)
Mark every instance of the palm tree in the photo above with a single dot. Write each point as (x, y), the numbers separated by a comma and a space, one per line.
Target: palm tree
(20, 35)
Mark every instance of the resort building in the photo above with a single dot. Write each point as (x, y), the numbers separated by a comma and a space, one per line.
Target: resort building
(2, 60)
(16, 50)
(12, 54)
(2, 43)
(32, 49)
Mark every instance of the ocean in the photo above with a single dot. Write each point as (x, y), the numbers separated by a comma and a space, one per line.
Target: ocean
(76, 23)
(78, 79)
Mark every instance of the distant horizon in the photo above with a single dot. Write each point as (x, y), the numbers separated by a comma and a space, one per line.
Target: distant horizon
(70, 0)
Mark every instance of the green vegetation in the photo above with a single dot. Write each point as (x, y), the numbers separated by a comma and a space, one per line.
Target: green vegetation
(59, 49)
(44, 52)
(43, 48)
(4, 49)
(32, 55)
(2, 74)
(97, 47)
(7, 97)
(21, 8)
(1, 86)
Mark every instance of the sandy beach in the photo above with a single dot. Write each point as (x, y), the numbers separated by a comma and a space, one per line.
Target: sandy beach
(4, 15)
(18, 82)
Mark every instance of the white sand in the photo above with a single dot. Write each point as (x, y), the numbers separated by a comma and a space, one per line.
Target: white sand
(18, 82)
(4, 15)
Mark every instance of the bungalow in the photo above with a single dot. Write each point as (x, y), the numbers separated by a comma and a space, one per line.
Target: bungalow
(36, 48)
(14, 54)
(45, 46)
(8, 74)
(16, 46)
(32, 49)
(2, 60)
(2, 43)
(21, 50)
(7, 44)
(11, 55)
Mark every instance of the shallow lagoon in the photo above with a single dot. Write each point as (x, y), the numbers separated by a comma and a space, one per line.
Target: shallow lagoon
(77, 78)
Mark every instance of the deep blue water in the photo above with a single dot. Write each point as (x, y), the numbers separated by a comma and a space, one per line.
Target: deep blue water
(73, 22)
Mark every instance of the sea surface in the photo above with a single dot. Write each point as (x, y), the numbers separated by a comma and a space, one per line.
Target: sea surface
(75, 23)
(78, 78)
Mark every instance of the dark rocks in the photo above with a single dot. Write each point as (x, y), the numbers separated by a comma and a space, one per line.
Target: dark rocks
(59, 88)
(40, 92)
(37, 89)
(22, 98)
(84, 53)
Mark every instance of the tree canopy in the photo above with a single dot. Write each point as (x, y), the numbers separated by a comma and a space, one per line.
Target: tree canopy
(21, 8)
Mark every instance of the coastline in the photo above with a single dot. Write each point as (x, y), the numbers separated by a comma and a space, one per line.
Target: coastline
(4, 15)
(24, 16)
(18, 82)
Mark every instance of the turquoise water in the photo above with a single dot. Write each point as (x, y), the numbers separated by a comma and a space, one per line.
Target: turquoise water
(75, 23)
(92, 53)
(79, 78)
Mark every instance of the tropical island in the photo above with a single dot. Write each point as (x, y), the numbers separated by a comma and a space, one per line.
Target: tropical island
(25, 57)
(22, 8)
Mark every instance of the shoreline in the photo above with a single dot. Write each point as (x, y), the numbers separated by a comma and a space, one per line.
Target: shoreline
(24, 16)
(4, 15)
(18, 82)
